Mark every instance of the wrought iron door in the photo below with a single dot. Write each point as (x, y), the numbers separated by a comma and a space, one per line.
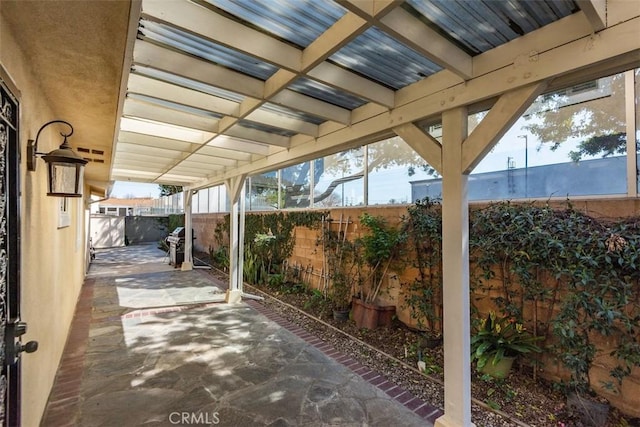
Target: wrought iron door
(10, 326)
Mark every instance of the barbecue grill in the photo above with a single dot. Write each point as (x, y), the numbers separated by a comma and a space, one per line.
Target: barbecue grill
(176, 246)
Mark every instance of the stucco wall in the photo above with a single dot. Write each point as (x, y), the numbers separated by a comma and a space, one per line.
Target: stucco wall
(52, 265)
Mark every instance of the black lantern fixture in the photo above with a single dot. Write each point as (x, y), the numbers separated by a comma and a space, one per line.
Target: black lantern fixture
(65, 166)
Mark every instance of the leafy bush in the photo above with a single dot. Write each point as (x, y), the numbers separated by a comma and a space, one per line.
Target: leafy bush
(382, 247)
(497, 338)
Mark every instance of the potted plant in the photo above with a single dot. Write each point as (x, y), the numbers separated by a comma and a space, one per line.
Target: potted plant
(343, 270)
(497, 342)
(381, 249)
(340, 297)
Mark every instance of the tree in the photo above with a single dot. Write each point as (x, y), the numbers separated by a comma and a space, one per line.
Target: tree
(593, 111)
(393, 152)
(349, 166)
(168, 190)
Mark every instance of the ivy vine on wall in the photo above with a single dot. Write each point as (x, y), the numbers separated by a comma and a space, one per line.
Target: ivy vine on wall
(423, 296)
(584, 272)
(269, 239)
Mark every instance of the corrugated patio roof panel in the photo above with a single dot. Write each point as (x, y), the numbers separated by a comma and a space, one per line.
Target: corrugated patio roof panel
(297, 21)
(174, 105)
(265, 128)
(382, 58)
(205, 49)
(187, 83)
(288, 112)
(481, 25)
(326, 93)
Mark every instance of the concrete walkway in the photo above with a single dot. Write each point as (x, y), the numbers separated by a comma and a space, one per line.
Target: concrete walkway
(149, 347)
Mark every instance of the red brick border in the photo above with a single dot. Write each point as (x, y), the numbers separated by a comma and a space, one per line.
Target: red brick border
(64, 399)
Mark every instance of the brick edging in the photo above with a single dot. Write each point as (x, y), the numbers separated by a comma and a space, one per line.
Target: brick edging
(64, 399)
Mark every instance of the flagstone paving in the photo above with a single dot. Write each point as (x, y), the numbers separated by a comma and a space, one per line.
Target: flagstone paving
(147, 347)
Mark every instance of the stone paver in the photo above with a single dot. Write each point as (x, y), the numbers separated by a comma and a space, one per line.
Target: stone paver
(189, 361)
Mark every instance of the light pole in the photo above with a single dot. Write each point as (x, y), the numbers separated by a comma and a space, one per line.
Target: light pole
(526, 164)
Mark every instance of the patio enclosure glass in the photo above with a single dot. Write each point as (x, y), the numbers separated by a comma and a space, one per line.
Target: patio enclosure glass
(570, 142)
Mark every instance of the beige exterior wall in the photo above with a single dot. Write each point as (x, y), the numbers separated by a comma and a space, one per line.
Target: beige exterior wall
(52, 264)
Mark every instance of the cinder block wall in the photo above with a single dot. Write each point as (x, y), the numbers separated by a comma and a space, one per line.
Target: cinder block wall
(204, 226)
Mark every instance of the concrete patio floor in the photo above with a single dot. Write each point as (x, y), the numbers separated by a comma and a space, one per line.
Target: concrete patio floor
(151, 346)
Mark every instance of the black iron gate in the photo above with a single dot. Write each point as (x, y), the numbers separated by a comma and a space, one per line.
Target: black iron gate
(10, 326)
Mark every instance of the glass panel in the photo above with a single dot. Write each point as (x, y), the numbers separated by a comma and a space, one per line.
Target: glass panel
(568, 143)
(326, 93)
(203, 201)
(195, 205)
(482, 25)
(63, 178)
(298, 21)
(225, 206)
(214, 203)
(339, 179)
(398, 67)
(288, 112)
(186, 82)
(173, 105)
(263, 193)
(178, 201)
(393, 168)
(295, 186)
(163, 130)
(203, 48)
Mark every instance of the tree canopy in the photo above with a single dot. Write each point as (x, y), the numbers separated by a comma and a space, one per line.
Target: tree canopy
(593, 112)
(168, 190)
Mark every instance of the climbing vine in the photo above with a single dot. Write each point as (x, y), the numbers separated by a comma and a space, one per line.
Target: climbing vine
(584, 272)
(269, 239)
(423, 296)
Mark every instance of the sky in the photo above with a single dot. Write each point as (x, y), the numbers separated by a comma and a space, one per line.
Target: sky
(124, 189)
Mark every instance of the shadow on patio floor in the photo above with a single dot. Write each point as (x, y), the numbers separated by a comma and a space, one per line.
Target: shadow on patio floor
(137, 356)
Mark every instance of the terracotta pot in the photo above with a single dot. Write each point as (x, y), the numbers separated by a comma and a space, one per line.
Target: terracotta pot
(371, 316)
(357, 310)
(500, 369)
(365, 315)
(385, 315)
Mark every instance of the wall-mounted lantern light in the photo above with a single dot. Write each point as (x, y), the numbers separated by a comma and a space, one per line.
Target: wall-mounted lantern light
(65, 166)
